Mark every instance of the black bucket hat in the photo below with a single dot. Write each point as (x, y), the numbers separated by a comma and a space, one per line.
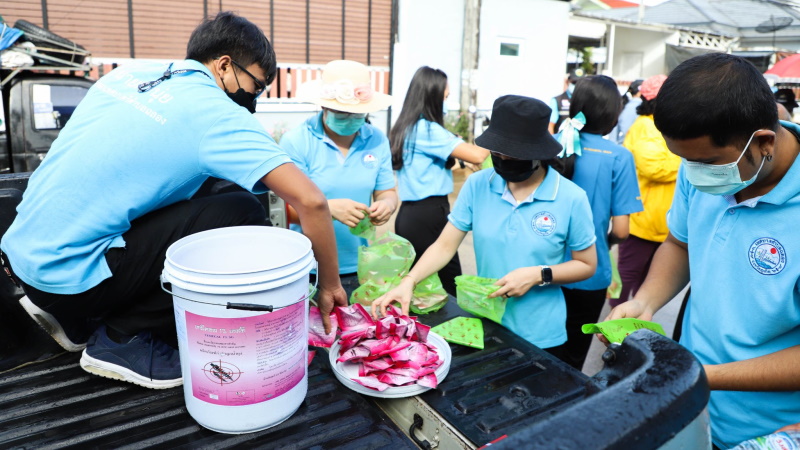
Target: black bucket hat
(786, 98)
(519, 129)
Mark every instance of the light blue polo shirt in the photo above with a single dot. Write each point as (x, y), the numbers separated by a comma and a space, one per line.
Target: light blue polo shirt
(122, 155)
(543, 229)
(367, 168)
(745, 300)
(626, 119)
(555, 107)
(607, 173)
(425, 152)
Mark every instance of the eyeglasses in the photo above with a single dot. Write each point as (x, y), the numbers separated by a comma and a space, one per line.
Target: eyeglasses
(261, 87)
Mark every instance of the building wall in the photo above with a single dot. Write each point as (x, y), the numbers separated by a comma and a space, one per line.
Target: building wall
(648, 44)
(539, 27)
(430, 33)
(161, 29)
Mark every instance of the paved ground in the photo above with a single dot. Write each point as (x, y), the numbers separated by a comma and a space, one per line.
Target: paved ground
(666, 316)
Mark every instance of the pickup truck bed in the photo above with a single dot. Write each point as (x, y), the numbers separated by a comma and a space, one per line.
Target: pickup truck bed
(56, 404)
(645, 396)
(652, 393)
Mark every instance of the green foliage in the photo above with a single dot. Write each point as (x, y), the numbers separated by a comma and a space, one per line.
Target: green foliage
(457, 124)
(586, 60)
(278, 132)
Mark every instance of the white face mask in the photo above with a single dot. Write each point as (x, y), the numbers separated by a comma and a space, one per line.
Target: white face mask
(721, 179)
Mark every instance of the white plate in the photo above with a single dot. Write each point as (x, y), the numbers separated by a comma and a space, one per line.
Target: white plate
(345, 371)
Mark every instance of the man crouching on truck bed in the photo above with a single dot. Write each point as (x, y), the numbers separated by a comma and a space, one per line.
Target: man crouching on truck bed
(733, 232)
(114, 192)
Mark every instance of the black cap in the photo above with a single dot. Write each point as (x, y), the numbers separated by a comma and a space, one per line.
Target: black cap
(519, 129)
(786, 98)
(634, 87)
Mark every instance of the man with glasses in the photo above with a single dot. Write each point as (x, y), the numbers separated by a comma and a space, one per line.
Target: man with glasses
(732, 232)
(116, 190)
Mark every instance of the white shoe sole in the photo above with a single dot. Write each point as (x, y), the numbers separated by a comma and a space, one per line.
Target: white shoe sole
(50, 325)
(115, 372)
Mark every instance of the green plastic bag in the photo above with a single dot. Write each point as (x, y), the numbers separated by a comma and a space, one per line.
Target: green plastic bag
(369, 291)
(617, 330)
(462, 330)
(364, 229)
(390, 256)
(429, 295)
(472, 294)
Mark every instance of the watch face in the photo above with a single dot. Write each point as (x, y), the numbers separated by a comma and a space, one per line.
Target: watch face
(547, 275)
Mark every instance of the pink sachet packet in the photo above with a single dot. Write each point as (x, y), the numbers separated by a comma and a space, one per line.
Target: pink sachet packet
(372, 383)
(316, 330)
(428, 380)
(353, 317)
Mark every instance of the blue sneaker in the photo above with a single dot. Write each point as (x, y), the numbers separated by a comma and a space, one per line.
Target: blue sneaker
(144, 360)
(70, 336)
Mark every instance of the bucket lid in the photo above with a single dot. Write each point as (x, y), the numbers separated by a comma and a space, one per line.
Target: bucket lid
(248, 256)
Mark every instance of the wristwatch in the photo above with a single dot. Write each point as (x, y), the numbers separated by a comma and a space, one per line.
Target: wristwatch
(547, 276)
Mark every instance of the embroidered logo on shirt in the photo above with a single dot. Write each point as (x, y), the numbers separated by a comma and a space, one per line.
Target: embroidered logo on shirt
(543, 223)
(369, 160)
(767, 256)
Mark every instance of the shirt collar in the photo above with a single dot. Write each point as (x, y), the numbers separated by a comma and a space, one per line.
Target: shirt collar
(546, 191)
(314, 125)
(789, 186)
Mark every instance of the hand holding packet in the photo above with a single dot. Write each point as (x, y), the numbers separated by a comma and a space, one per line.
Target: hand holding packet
(617, 330)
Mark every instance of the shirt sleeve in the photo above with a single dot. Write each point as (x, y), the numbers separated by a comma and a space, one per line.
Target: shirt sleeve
(385, 178)
(434, 140)
(625, 197)
(581, 224)
(461, 215)
(238, 149)
(678, 214)
(553, 104)
(289, 143)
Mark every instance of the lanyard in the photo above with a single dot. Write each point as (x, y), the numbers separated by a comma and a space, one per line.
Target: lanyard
(144, 87)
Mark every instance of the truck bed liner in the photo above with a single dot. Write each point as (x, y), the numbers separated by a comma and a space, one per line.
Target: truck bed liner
(56, 404)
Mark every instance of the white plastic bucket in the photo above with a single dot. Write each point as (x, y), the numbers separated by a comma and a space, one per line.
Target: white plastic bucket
(246, 369)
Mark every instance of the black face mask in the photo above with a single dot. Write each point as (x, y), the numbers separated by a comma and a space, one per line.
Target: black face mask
(243, 99)
(514, 170)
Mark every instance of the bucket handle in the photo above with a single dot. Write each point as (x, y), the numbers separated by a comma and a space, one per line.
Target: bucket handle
(241, 306)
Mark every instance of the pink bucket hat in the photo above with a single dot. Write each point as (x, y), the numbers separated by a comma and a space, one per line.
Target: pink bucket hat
(344, 86)
(650, 87)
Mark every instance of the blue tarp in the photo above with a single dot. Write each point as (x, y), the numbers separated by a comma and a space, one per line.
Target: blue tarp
(8, 36)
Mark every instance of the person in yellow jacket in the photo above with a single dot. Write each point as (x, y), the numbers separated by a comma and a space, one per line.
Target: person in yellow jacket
(657, 169)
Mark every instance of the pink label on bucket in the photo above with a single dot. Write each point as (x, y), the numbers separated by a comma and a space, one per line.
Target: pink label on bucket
(246, 360)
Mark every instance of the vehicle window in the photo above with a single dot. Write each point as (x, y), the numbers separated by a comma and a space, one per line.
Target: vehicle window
(54, 105)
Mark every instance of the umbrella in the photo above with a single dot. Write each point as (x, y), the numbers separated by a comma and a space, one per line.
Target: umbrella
(787, 70)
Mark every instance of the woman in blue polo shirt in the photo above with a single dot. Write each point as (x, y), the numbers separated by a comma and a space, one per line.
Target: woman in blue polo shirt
(607, 173)
(346, 157)
(421, 148)
(525, 218)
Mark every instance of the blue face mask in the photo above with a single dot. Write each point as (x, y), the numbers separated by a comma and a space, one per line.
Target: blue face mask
(344, 124)
(570, 88)
(444, 108)
(721, 179)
